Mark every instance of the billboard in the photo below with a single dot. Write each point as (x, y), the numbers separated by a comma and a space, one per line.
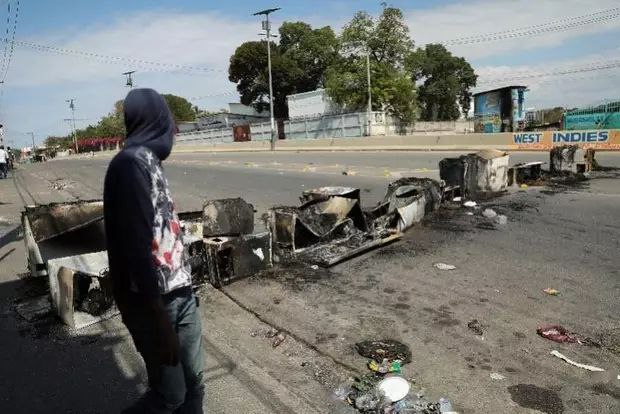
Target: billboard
(597, 139)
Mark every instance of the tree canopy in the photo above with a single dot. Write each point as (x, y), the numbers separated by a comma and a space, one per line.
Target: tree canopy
(113, 124)
(443, 80)
(298, 64)
(387, 43)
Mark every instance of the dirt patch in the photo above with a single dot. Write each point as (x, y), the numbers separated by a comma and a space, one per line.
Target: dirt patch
(536, 398)
(608, 389)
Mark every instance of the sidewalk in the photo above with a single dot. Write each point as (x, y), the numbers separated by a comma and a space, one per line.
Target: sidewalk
(48, 368)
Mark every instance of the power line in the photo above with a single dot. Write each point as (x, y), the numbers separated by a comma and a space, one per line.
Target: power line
(114, 59)
(559, 72)
(6, 43)
(568, 23)
(8, 63)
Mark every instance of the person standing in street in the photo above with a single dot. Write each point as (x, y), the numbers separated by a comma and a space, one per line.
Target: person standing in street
(150, 277)
(4, 162)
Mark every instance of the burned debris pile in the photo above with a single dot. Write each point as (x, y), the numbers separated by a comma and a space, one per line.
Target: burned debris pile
(65, 242)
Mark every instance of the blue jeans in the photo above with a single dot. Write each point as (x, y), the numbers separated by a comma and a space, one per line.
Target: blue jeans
(172, 389)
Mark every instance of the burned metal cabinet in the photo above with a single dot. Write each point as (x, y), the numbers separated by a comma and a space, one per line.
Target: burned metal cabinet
(479, 174)
(81, 289)
(60, 230)
(326, 213)
(329, 227)
(231, 258)
(571, 159)
(230, 250)
(407, 201)
(526, 172)
(66, 243)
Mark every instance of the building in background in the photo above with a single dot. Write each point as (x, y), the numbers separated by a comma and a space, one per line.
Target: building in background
(237, 115)
(500, 110)
(311, 105)
(603, 116)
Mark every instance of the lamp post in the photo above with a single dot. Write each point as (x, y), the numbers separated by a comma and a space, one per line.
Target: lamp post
(268, 35)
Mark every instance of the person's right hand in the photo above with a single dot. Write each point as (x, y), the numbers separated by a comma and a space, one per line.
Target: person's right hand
(165, 334)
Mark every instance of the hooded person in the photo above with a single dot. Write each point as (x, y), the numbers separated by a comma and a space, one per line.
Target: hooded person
(151, 279)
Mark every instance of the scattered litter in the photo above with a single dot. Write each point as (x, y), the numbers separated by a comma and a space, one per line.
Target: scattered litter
(444, 266)
(523, 186)
(577, 364)
(384, 349)
(469, 213)
(384, 367)
(314, 267)
(280, 337)
(34, 308)
(561, 335)
(489, 213)
(551, 291)
(445, 406)
(343, 392)
(501, 219)
(470, 204)
(394, 388)
(457, 199)
(497, 376)
(271, 333)
(475, 327)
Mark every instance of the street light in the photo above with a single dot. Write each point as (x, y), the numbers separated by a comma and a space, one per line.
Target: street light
(267, 29)
(129, 78)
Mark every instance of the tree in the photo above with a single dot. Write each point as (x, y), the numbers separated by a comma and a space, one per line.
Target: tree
(298, 64)
(182, 110)
(445, 80)
(387, 43)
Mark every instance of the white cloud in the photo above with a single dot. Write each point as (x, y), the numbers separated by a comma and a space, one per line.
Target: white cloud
(491, 16)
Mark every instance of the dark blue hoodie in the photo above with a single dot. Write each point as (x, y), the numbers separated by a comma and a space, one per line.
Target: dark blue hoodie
(143, 233)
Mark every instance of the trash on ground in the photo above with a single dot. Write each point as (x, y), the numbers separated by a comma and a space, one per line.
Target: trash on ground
(551, 291)
(497, 376)
(469, 213)
(501, 219)
(470, 204)
(560, 334)
(314, 267)
(523, 186)
(475, 326)
(384, 367)
(384, 349)
(395, 388)
(457, 199)
(489, 213)
(445, 406)
(279, 338)
(577, 364)
(34, 308)
(444, 266)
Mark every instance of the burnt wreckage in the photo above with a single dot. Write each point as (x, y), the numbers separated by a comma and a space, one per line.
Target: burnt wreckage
(65, 242)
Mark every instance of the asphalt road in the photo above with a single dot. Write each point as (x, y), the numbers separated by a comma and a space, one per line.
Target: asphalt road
(566, 238)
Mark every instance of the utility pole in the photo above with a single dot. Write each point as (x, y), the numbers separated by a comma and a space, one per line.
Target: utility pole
(267, 29)
(72, 107)
(32, 136)
(129, 78)
(369, 110)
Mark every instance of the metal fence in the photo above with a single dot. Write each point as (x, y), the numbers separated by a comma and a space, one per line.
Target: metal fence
(329, 126)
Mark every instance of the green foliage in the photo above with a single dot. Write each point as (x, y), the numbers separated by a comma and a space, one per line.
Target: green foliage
(445, 79)
(298, 64)
(182, 110)
(63, 142)
(387, 43)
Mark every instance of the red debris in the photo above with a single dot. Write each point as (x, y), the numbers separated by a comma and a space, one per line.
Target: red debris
(557, 333)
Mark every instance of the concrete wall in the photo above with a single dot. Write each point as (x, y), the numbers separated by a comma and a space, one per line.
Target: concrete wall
(502, 141)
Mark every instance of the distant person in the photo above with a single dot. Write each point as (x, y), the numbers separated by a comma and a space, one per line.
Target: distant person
(4, 162)
(150, 277)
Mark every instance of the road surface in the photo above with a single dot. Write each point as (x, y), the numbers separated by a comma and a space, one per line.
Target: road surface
(564, 238)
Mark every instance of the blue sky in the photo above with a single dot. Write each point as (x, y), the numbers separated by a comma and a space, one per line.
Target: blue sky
(204, 33)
